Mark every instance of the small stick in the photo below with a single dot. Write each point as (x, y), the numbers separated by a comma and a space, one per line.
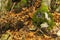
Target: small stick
(13, 6)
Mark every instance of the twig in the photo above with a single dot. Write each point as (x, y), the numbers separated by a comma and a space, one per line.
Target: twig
(13, 6)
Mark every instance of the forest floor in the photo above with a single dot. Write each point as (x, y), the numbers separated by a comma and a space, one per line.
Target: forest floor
(24, 33)
(25, 17)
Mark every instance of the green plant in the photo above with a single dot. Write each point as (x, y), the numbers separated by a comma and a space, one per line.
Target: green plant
(43, 18)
